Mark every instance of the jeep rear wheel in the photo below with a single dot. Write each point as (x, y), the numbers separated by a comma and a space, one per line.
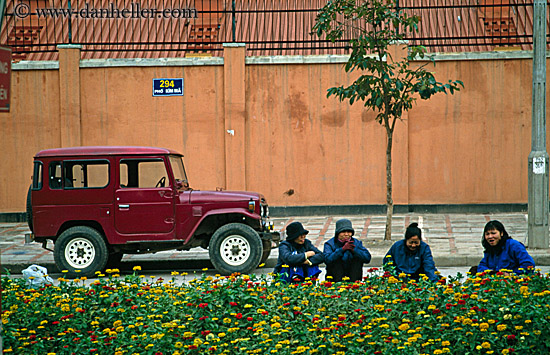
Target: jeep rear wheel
(235, 247)
(80, 250)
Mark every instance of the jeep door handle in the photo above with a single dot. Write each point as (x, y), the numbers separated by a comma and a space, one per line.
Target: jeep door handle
(123, 206)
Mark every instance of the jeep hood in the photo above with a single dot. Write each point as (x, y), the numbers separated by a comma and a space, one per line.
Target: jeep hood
(198, 196)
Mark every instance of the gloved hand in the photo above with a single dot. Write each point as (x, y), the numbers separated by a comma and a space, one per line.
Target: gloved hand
(349, 246)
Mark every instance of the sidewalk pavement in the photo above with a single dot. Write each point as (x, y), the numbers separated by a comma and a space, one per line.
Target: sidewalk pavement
(455, 240)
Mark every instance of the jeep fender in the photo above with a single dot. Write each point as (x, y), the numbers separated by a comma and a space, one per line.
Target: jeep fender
(220, 212)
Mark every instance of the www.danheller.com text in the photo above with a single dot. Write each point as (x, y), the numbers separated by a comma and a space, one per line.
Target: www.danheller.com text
(135, 11)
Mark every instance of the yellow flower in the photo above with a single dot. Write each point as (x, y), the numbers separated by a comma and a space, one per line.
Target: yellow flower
(403, 327)
(137, 268)
(485, 345)
(501, 327)
(445, 343)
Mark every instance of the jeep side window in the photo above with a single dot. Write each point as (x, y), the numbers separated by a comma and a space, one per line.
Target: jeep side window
(55, 175)
(37, 176)
(143, 173)
(85, 174)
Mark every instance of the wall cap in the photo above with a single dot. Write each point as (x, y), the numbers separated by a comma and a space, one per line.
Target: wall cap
(281, 59)
(69, 46)
(230, 45)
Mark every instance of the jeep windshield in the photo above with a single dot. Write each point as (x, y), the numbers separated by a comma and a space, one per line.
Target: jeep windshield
(179, 172)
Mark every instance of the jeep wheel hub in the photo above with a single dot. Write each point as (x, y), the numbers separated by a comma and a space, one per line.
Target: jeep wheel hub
(235, 250)
(79, 253)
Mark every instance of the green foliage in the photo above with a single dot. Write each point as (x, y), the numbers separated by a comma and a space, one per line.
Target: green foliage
(241, 314)
(388, 86)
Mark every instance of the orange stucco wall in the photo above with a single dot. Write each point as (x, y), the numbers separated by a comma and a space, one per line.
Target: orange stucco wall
(289, 141)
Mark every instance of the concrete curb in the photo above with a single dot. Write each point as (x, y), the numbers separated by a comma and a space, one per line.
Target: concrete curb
(199, 264)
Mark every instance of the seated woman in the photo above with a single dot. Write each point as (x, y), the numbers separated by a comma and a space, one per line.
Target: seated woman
(298, 257)
(502, 252)
(412, 256)
(345, 255)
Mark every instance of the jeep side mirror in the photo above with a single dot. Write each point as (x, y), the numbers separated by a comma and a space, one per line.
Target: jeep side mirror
(182, 184)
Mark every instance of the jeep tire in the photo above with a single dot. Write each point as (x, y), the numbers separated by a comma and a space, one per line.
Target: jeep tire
(80, 248)
(235, 247)
(29, 209)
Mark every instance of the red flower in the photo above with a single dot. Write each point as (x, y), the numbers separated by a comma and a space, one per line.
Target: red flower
(405, 312)
(134, 307)
(286, 304)
(205, 332)
(93, 350)
(203, 305)
(461, 302)
(250, 319)
(239, 316)
(233, 303)
(192, 347)
(203, 318)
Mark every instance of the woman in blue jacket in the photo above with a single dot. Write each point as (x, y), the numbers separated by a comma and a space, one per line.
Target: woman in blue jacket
(298, 257)
(345, 255)
(412, 256)
(503, 252)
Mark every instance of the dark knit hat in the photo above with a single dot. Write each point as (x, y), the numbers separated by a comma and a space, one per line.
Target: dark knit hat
(294, 230)
(344, 225)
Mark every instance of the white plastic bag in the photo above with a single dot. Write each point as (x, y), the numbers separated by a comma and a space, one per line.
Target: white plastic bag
(37, 276)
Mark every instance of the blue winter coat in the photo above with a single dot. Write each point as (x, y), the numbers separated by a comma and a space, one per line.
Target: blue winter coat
(287, 255)
(334, 253)
(408, 262)
(514, 256)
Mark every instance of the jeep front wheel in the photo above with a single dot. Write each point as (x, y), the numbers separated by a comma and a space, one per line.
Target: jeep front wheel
(80, 250)
(235, 247)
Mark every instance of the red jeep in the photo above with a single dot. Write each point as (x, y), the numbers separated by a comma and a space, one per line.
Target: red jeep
(98, 203)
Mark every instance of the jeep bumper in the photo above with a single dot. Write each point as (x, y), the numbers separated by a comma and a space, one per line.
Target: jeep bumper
(273, 236)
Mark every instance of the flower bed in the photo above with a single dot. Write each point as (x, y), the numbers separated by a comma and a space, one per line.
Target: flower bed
(243, 314)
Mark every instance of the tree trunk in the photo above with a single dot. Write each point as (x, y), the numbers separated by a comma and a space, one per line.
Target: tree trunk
(389, 199)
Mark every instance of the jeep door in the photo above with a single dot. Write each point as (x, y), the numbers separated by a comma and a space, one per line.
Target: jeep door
(144, 198)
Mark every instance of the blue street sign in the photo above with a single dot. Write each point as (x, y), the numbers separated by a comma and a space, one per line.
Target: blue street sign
(168, 87)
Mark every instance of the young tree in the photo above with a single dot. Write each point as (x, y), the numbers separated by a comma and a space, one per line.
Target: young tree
(389, 86)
